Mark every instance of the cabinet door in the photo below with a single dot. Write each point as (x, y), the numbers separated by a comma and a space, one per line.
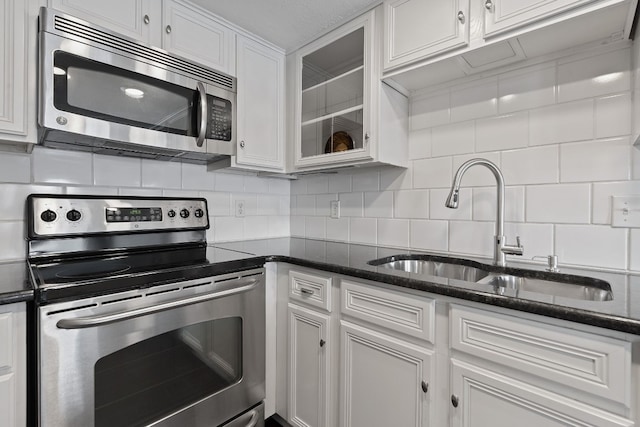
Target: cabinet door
(17, 71)
(138, 19)
(260, 106)
(309, 368)
(484, 398)
(384, 381)
(194, 34)
(504, 15)
(418, 29)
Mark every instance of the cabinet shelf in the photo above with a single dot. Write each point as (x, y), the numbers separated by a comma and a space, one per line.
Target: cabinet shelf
(334, 79)
(332, 115)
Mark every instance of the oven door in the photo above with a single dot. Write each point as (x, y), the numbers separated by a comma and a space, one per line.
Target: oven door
(181, 354)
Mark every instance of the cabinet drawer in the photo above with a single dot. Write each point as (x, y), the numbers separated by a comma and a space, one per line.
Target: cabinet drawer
(587, 362)
(397, 311)
(6, 341)
(311, 289)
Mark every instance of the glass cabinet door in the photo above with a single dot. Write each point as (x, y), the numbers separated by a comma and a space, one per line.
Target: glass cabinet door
(332, 113)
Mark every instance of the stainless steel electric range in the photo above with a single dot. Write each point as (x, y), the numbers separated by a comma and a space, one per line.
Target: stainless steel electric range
(138, 322)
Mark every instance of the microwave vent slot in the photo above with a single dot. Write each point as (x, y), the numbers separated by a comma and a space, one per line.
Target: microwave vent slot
(156, 57)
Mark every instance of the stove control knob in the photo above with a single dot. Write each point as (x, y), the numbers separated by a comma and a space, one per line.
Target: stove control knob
(48, 216)
(199, 213)
(171, 213)
(74, 215)
(184, 213)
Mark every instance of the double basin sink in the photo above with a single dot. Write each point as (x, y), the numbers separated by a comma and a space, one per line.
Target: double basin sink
(502, 280)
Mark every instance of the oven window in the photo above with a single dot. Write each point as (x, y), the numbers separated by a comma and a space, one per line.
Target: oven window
(156, 377)
(105, 92)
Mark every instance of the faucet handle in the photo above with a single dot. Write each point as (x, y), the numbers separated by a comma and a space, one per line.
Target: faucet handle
(518, 249)
(518, 244)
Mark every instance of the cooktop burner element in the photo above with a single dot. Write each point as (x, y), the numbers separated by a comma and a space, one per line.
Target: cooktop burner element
(92, 270)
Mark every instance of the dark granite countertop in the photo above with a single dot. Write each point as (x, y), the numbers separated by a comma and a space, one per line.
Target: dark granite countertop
(14, 283)
(622, 313)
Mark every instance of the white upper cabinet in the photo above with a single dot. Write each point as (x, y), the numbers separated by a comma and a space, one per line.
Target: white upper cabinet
(190, 32)
(260, 106)
(504, 15)
(344, 115)
(138, 19)
(418, 28)
(18, 20)
(174, 25)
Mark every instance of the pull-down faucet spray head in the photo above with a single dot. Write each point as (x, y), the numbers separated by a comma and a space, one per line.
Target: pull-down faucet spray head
(452, 199)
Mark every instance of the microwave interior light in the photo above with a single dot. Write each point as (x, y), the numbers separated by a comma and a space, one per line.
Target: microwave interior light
(133, 93)
(59, 71)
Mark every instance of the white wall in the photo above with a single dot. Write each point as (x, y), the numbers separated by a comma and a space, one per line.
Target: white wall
(561, 131)
(57, 171)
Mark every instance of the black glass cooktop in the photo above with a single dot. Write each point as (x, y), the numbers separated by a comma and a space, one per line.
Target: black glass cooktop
(76, 277)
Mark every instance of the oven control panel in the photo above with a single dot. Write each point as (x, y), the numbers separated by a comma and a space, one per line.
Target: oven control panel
(61, 215)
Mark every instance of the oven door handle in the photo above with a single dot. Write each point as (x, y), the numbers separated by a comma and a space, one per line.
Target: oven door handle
(88, 322)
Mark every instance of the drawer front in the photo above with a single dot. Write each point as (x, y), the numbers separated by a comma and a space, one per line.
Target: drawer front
(6, 342)
(408, 314)
(311, 289)
(587, 362)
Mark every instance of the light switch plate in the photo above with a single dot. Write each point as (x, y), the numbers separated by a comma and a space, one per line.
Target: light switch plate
(334, 206)
(625, 211)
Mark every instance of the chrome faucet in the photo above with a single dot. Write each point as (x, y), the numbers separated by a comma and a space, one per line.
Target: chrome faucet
(500, 248)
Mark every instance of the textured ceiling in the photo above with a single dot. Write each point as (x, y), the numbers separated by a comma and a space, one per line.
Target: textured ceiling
(287, 23)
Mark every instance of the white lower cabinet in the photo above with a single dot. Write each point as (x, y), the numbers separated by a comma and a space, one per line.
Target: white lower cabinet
(482, 398)
(13, 371)
(309, 368)
(384, 381)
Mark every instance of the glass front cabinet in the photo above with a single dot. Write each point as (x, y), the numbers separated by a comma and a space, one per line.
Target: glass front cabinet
(345, 115)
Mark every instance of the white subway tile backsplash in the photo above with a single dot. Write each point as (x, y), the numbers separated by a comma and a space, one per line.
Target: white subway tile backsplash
(562, 123)
(196, 177)
(363, 230)
(268, 204)
(250, 203)
(539, 165)
(351, 204)
(256, 184)
(537, 239)
(299, 186)
(228, 228)
(634, 250)
(485, 204)
(15, 168)
(613, 115)
(476, 176)
(318, 184)
(475, 100)
(323, 206)
(159, 174)
(340, 183)
(95, 191)
(230, 182)
(256, 226)
(602, 193)
(366, 181)
(279, 226)
(180, 193)
(502, 132)
(280, 186)
(144, 192)
(393, 232)
(533, 87)
(117, 171)
(458, 138)
(437, 209)
(591, 245)
(297, 226)
(305, 205)
(429, 111)
(605, 160)
(62, 167)
(432, 173)
(420, 144)
(218, 204)
(13, 245)
(14, 196)
(429, 235)
(395, 179)
(411, 204)
(471, 237)
(560, 203)
(594, 76)
(285, 205)
(378, 205)
(338, 229)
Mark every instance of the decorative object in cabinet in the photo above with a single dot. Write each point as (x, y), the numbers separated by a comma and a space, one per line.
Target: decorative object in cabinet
(344, 115)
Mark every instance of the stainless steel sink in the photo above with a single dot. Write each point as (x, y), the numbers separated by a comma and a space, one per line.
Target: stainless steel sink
(507, 284)
(437, 268)
(576, 287)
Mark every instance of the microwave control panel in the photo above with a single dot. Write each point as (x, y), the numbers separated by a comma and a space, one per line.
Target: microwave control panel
(220, 118)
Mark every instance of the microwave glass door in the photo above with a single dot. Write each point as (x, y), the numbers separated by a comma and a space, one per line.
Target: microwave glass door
(102, 91)
(151, 379)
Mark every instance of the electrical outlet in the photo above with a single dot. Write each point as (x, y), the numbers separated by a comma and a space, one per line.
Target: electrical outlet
(334, 207)
(239, 208)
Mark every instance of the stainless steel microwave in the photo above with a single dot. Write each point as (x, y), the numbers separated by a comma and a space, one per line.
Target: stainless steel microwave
(105, 93)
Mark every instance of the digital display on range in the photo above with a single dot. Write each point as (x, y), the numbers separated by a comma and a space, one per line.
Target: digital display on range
(133, 214)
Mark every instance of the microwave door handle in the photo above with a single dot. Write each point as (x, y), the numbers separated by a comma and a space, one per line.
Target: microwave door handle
(204, 109)
(88, 322)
